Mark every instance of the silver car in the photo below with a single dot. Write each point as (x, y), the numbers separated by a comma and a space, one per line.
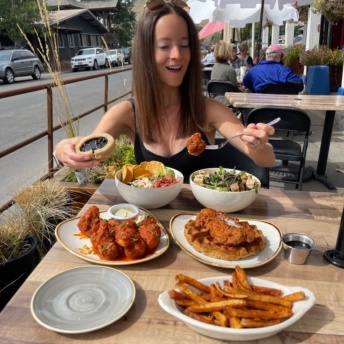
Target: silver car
(19, 62)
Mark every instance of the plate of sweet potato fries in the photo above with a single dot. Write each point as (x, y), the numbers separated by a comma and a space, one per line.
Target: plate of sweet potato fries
(235, 307)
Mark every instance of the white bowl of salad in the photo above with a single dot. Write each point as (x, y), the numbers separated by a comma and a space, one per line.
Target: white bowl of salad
(151, 192)
(224, 189)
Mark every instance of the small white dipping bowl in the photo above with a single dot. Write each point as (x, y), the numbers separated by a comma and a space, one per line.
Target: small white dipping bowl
(226, 201)
(123, 211)
(149, 198)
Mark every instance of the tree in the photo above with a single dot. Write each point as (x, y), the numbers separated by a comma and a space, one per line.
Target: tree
(23, 13)
(123, 23)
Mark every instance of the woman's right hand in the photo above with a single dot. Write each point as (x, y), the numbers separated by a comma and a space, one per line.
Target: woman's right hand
(65, 152)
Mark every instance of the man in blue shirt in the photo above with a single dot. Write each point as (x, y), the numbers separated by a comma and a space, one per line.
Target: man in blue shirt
(271, 71)
(209, 58)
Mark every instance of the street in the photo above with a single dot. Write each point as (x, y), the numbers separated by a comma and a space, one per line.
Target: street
(25, 116)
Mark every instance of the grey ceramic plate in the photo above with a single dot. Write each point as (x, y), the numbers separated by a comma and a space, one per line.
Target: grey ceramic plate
(83, 299)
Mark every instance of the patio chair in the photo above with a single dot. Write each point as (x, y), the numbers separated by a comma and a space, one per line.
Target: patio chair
(288, 88)
(231, 157)
(293, 120)
(219, 88)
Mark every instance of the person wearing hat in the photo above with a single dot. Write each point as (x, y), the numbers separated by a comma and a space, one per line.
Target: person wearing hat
(271, 71)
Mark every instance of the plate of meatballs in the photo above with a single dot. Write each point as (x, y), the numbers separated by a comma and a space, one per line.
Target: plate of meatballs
(99, 239)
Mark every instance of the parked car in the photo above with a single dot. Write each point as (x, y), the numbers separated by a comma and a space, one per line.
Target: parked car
(127, 54)
(89, 58)
(19, 62)
(115, 57)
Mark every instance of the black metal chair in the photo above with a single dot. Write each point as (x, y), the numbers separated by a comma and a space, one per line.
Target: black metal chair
(216, 87)
(288, 88)
(293, 121)
(231, 157)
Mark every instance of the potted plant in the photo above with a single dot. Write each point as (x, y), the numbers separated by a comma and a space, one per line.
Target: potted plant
(323, 55)
(291, 58)
(332, 10)
(18, 255)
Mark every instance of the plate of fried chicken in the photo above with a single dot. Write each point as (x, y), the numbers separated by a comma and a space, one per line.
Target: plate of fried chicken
(99, 239)
(215, 238)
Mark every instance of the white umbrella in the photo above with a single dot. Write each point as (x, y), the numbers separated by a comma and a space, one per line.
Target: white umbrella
(237, 16)
(253, 3)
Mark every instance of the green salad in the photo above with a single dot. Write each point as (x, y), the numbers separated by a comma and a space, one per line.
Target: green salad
(226, 180)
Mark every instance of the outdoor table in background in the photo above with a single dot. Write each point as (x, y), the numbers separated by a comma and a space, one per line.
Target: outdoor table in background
(316, 214)
(328, 103)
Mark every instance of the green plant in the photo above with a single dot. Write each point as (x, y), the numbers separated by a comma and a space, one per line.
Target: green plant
(332, 10)
(42, 205)
(291, 54)
(14, 230)
(322, 55)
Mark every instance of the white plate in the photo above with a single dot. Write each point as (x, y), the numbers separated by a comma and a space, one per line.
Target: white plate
(68, 235)
(83, 299)
(232, 334)
(272, 247)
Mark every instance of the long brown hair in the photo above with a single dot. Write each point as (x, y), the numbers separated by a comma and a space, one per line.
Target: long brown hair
(146, 83)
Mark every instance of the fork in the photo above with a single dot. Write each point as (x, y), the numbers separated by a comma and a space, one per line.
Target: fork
(222, 144)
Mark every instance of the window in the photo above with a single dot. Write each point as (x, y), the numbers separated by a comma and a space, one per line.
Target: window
(60, 40)
(70, 39)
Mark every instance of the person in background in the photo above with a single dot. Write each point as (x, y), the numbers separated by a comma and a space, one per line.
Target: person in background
(245, 55)
(235, 61)
(209, 58)
(271, 71)
(168, 104)
(222, 71)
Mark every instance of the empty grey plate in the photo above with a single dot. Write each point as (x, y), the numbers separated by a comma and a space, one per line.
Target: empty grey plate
(83, 299)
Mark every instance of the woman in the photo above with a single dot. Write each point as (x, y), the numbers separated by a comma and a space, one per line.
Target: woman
(168, 104)
(222, 71)
(245, 55)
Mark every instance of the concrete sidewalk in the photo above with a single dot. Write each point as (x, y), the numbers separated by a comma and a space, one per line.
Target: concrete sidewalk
(335, 162)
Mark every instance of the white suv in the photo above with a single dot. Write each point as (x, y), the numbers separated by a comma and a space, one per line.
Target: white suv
(115, 57)
(89, 58)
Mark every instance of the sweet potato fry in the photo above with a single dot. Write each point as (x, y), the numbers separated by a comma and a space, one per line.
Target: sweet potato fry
(192, 282)
(235, 322)
(242, 278)
(254, 313)
(216, 306)
(199, 317)
(186, 303)
(190, 293)
(295, 296)
(220, 319)
(266, 290)
(250, 323)
(266, 306)
(176, 295)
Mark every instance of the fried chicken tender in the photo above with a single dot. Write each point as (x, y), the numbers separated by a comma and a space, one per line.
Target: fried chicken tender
(218, 235)
(90, 221)
(195, 144)
(104, 244)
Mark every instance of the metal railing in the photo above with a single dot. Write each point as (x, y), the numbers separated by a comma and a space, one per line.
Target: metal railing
(49, 132)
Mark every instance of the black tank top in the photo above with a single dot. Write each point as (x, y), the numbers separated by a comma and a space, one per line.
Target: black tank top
(182, 161)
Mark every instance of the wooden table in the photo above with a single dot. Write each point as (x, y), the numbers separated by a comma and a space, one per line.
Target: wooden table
(328, 103)
(314, 213)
